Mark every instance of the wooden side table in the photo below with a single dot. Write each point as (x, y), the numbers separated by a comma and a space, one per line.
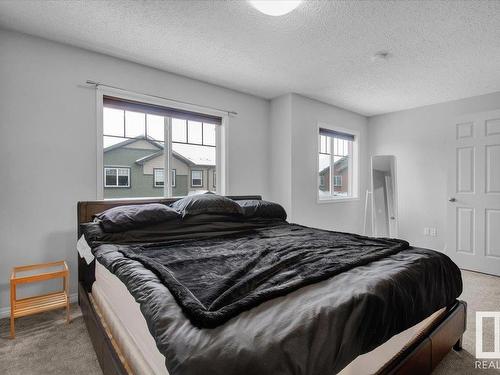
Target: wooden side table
(45, 302)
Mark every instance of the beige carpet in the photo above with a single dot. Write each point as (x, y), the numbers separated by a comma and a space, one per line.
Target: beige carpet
(482, 293)
(45, 344)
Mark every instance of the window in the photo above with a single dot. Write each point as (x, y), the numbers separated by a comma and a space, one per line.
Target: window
(196, 178)
(158, 177)
(336, 165)
(214, 180)
(135, 137)
(173, 177)
(321, 181)
(115, 177)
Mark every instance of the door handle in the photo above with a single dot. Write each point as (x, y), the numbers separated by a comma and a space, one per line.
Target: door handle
(452, 199)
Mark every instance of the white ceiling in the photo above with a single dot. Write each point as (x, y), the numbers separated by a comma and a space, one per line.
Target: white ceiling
(441, 50)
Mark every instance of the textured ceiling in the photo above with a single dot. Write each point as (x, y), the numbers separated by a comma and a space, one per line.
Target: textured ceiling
(440, 50)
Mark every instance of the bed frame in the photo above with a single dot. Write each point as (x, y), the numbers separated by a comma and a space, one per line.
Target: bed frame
(420, 357)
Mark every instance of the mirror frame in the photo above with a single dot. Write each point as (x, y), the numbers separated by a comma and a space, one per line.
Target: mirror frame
(395, 194)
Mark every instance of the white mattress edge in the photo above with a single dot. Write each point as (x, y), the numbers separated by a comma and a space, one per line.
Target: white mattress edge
(109, 291)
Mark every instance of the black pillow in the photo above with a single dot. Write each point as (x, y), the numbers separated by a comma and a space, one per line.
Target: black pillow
(265, 209)
(122, 218)
(206, 204)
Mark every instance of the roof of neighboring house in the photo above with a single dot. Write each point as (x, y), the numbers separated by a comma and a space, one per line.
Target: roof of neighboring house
(340, 165)
(132, 140)
(160, 153)
(191, 160)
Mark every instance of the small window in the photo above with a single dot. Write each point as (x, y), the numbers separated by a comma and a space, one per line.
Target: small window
(321, 181)
(336, 165)
(174, 176)
(116, 177)
(196, 178)
(215, 180)
(158, 177)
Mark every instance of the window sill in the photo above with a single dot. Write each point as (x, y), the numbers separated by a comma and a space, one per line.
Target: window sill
(337, 200)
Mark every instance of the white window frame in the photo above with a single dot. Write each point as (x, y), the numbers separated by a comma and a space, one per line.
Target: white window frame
(173, 177)
(105, 168)
(201, 179)
(154, 177)
(221, 137)
(353, 166)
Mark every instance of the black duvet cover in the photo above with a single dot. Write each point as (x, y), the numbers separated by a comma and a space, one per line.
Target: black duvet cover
(342, 296)
(215, 279)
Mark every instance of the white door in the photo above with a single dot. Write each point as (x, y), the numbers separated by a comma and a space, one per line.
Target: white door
(473, 238)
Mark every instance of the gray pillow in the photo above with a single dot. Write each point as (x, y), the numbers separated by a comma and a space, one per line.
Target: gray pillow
(264, 209)
(122, 218)
(206, 204)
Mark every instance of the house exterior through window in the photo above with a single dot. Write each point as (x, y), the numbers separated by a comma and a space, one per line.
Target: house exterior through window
(136, 155)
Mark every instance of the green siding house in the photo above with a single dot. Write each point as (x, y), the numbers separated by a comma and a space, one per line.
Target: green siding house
(134, 168)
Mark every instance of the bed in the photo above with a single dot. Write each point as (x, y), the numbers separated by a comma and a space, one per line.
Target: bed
(125, 343)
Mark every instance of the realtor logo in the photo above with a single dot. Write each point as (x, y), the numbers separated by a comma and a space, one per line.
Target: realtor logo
(480, 315)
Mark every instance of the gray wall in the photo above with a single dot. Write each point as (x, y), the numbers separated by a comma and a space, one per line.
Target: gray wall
(48, 142)
(418, 138)
(293, 144)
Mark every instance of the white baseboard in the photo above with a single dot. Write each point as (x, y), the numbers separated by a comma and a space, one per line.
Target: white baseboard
(5, 311)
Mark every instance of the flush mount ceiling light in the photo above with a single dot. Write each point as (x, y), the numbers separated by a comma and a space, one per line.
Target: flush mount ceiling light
(275, 7)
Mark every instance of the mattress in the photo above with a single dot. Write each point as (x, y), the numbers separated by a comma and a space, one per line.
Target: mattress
(129, 329)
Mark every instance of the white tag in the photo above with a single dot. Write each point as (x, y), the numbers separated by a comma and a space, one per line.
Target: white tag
(84, 250)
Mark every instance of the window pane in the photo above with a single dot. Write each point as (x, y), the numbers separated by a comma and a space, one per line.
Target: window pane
(134, 162)
(134, 124)
(110, 141)
(209, 134)
(341, 173)
(112, 122)
(159, 177)
(122, 180)
(110, 178)
(194, 132)
(179, 130)
(199, 155)
(322, 144)
(324, 175)
(155, 127)
(197, 178)
(173, 178)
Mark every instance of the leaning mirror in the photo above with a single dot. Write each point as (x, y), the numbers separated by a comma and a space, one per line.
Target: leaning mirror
(384, 198)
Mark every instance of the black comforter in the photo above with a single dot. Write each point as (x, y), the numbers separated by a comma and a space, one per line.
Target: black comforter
(215, 279)
(372, 289)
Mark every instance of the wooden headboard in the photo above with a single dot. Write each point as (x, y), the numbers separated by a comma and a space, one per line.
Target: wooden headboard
(87, 209)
